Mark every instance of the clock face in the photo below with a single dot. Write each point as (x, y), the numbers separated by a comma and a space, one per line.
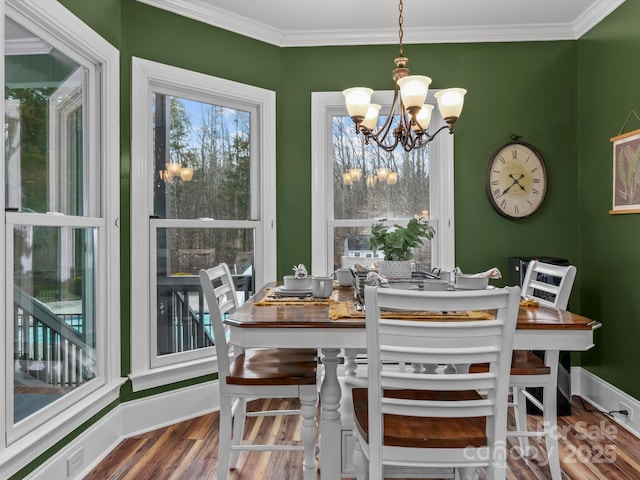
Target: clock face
(516, 180)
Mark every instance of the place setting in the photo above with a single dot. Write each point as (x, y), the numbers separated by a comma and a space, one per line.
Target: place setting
(300, 288)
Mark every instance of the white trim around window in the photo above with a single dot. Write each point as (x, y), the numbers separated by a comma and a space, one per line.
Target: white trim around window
(54, 24)
(324, 105)
(148, 371)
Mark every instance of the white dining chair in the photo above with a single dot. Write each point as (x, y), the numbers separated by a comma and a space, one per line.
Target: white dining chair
(549, 285)
(406, 421)
(254, 374)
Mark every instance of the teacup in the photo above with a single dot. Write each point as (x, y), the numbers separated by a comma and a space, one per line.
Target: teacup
(344, 277)
(322, 287)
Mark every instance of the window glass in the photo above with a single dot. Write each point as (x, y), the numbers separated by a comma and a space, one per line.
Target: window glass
(182, 318)
(370, 183)
(54, 314)
(46, 164)
(202, 160)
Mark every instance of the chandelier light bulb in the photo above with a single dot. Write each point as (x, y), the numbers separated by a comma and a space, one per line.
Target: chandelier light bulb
(346, 179)
(392, 178)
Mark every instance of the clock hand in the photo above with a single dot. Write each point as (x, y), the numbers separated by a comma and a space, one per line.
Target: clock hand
(517, 180)
(509, 187)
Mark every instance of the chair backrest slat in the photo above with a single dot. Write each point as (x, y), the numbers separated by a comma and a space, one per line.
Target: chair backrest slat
(549, 284)
(220, 294)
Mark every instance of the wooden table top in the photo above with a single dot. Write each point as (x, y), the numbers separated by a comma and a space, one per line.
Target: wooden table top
(317, 316)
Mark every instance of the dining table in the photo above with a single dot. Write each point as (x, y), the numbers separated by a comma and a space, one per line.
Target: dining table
(268, 320)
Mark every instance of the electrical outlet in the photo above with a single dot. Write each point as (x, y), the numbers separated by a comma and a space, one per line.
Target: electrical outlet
(624, 406)
(75, 462)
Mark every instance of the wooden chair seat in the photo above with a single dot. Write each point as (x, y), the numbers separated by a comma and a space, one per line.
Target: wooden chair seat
(274, 367)
(423, 432)
(523, 362)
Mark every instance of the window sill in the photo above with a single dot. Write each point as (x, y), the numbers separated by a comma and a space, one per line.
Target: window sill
(160, 376)
(29, 447)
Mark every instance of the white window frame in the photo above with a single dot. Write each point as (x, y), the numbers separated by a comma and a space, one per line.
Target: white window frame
(55, 25)
(325, 105)
(147, 369)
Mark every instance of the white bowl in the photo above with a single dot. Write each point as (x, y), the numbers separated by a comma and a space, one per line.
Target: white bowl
(293, 283)
(467, 282)
(434, 284)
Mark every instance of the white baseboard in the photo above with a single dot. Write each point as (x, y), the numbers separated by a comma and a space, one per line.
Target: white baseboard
(146, 414)
(77, 459)
(606, 398)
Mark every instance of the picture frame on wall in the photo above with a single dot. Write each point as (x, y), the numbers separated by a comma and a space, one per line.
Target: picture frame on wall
(626, 172)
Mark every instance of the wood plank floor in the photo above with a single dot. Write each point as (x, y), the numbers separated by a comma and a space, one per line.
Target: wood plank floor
(592, 446)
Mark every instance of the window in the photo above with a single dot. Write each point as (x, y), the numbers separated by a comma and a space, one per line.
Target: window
(203, 173)
(355, 184)
(61, 295)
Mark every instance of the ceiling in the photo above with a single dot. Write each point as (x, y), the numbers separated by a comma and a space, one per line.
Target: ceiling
(288, 23)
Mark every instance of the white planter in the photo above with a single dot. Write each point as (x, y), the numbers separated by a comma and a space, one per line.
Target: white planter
(395, 268)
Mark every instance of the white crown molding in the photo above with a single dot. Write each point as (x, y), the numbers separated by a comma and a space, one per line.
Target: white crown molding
(203, 11)
(594, 15)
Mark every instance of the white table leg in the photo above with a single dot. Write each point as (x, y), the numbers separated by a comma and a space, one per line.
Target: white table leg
(309, 430)
(330, 425)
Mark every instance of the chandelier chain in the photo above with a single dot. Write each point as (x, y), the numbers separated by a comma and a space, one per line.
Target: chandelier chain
(400, 22)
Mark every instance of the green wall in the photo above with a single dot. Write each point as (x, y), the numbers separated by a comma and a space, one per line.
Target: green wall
(567, 98)
(526, 89)
(608, 73)
(522, 88)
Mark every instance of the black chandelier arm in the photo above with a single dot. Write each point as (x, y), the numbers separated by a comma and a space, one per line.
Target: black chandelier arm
(426, 138)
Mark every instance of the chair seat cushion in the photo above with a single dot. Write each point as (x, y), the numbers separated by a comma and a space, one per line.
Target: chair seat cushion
(278, 366)
(423, 432)
(523, 362)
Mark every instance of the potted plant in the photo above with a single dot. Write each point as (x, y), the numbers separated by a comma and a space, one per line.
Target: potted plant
(396, 243)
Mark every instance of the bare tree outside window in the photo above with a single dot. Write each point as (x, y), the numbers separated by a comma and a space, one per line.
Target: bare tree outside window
(369, 183)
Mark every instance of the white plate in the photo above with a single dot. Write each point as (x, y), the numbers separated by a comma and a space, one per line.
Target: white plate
(403, 286)
(489, 287)
(292, 291)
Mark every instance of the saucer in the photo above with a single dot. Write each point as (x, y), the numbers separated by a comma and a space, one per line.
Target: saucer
(292, 292)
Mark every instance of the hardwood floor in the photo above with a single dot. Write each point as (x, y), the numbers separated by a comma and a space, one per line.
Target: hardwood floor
(592, 445)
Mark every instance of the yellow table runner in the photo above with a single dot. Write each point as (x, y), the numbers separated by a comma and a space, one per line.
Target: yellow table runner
(526, 302)
(338, 310)
(272, 299)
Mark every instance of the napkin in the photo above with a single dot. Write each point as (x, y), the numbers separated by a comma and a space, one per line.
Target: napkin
(491, 273)
(376, 279)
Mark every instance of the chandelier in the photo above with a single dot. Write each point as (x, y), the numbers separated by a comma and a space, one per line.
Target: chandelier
(410, 93)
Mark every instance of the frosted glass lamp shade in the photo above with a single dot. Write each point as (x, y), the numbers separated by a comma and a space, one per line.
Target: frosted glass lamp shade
(450, 102)
(371, 118)
(423, 118)
(413, 90)
(186, 174)
(173, 169)
(357, 100)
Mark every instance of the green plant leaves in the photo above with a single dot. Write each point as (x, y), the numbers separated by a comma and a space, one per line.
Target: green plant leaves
(396, 241)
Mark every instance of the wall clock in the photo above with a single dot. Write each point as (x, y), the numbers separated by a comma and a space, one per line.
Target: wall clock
(516, 180)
